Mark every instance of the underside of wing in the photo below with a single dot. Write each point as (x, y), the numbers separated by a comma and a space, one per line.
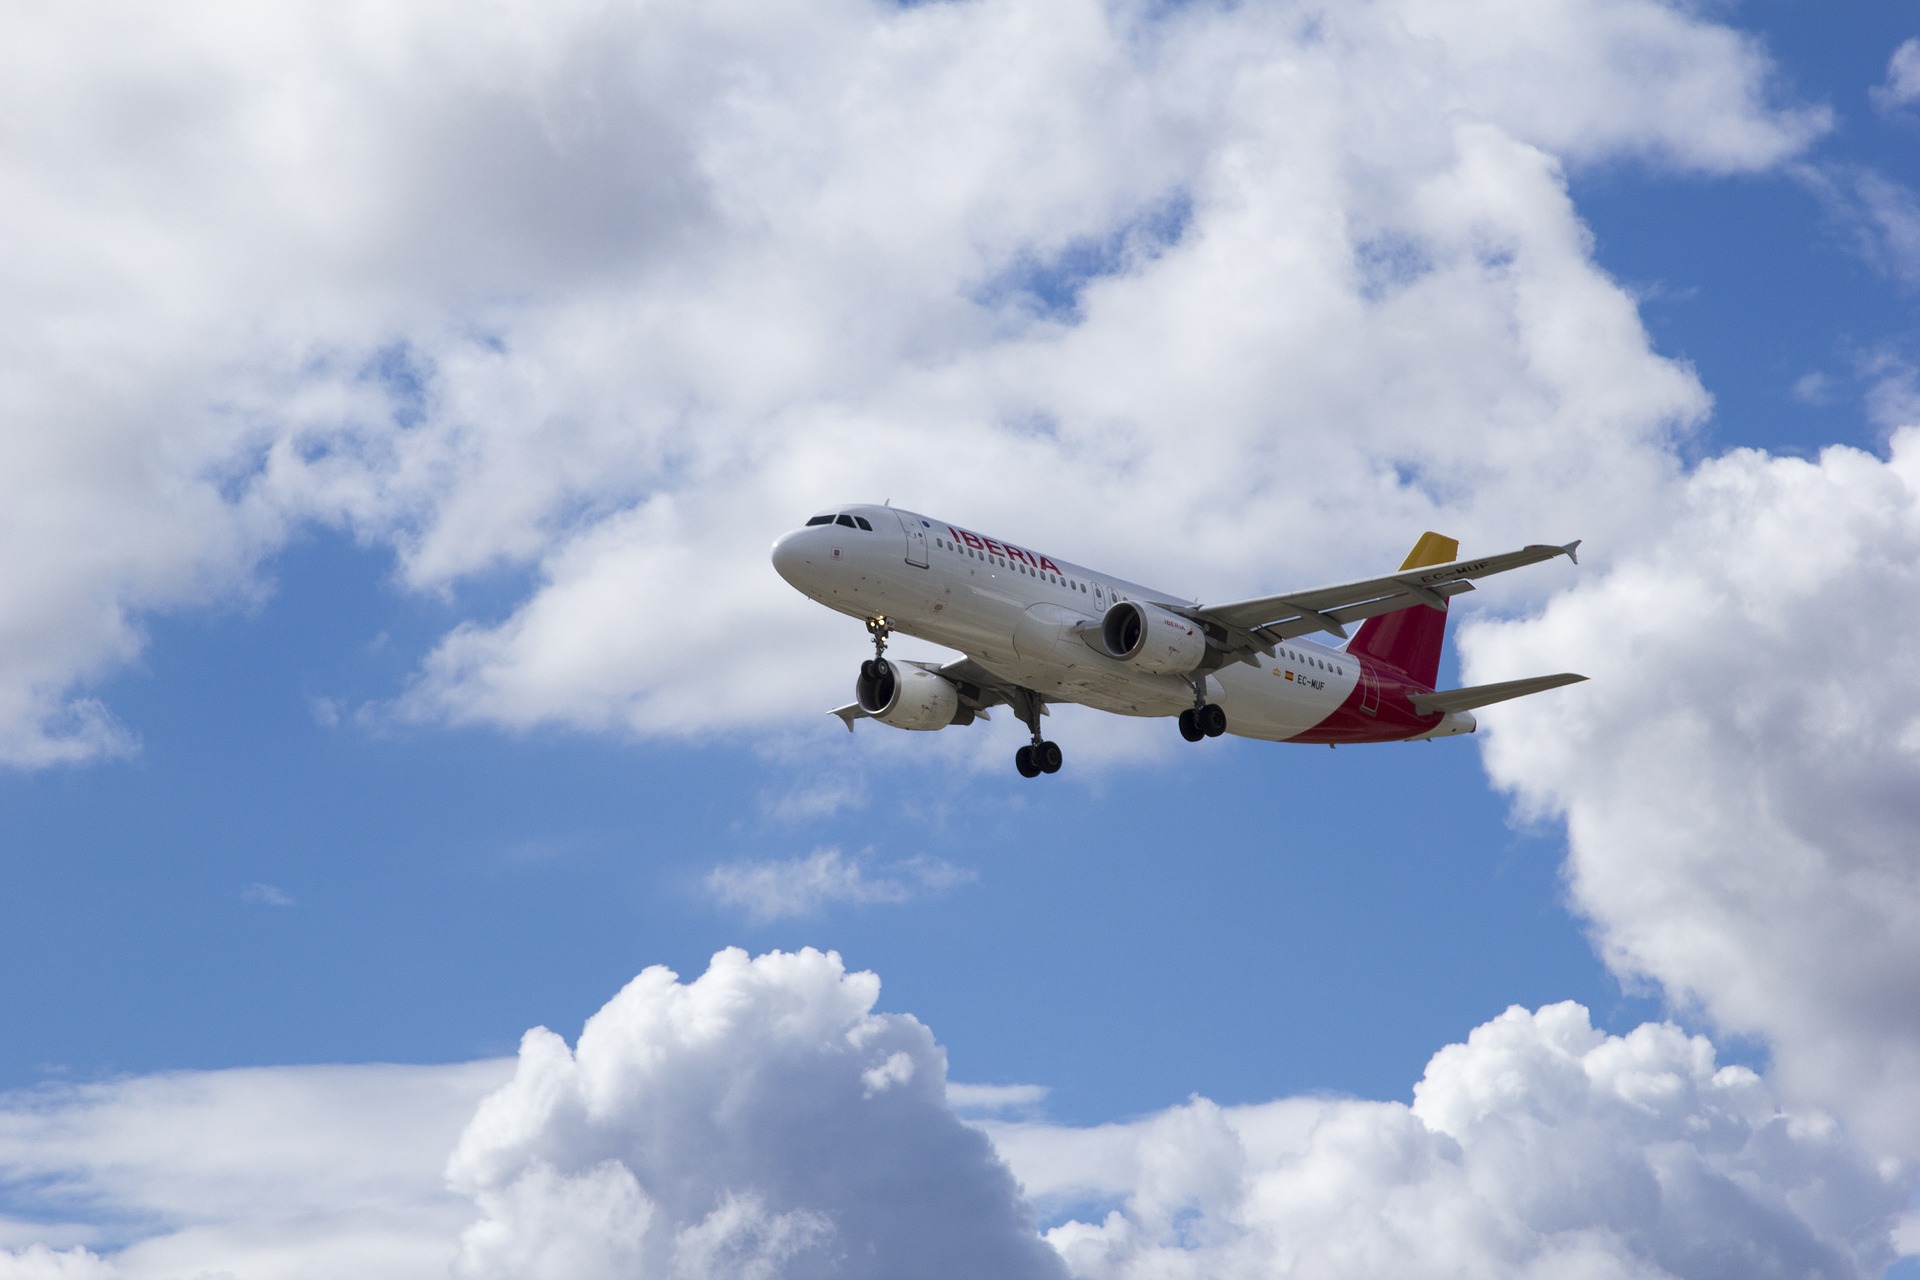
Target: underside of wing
(1260, 623)
(1485, 695)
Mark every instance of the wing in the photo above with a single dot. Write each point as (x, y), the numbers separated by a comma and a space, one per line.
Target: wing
(1251, 626)
(979, 689)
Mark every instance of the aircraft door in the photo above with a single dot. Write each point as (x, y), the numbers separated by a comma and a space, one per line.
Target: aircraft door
(1369, 688)
(916, 531)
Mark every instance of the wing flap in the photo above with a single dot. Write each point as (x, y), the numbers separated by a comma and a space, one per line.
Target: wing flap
(1484, 695)
(1306, 623)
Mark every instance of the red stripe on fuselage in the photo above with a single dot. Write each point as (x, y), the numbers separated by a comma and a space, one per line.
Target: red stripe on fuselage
(1393, 721)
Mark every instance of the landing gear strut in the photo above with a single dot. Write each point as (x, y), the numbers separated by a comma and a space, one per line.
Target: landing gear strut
(880, 626)
(1203, 719)
(1040, 756)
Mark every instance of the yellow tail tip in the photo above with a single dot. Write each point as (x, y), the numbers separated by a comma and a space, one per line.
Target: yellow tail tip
(1433, 548)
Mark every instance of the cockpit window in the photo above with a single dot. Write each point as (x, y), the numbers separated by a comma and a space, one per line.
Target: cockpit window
(846, 520)
(827, 519)
(862, 522)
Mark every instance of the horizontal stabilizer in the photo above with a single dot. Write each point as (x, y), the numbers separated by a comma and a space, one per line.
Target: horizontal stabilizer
(1483, 695)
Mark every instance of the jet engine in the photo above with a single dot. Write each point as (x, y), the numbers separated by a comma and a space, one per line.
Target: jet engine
(1153, 639)
(907, 697)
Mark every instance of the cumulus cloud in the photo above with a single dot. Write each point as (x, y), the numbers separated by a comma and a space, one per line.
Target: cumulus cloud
(1741, 779)
(615, 293)
(762, 1121)
(777, 889)
(1540, 1147)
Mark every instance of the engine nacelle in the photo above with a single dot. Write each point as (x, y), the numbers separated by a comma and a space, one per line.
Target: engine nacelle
(907, 697)
(1154, 640)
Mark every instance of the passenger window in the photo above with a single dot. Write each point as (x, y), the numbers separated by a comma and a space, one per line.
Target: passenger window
(821, 520)
(847, 521)
(862, 522)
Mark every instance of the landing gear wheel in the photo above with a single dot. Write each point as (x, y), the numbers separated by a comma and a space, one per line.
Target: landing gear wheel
(1047, 756)
(1023, 761)
(1212, 719)
(1190, 726)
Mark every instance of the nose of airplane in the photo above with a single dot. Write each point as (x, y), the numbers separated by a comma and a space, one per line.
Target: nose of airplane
(788, 557)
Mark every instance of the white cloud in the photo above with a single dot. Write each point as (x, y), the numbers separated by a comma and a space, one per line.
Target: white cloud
(1902, 85)
(616, 293)
(1813, 388)
(1880, 215)
(780, 888)
(762, 1121)
(37, 1262)
(285, 1173)
(1741, 778)
(1893, 395)
(816, 797)
(991, 1099)
(266, 895)
(1540, 1147)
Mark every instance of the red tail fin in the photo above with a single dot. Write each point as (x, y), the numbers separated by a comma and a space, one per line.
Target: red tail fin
(1410, 639)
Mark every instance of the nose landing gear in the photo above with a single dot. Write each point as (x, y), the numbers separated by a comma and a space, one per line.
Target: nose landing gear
(880, 626)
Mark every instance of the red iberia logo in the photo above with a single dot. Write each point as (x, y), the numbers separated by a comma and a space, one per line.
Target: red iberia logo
(1005, 550)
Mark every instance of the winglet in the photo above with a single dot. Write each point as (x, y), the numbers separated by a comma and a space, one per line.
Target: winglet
(1433, 548)
(849, 713)
(1571, 547)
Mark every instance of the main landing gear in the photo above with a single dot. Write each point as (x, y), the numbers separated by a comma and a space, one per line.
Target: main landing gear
(1040, 756)
(1203, 719)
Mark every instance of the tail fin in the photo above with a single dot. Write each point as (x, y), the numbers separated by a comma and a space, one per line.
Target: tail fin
(1410, 639)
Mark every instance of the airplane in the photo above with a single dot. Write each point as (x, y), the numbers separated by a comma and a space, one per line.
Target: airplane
(1037, 629)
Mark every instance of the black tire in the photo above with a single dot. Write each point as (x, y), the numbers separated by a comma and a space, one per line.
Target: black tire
(1213, 719)
(1023, 761)
(1048, 754)
(1190, 726)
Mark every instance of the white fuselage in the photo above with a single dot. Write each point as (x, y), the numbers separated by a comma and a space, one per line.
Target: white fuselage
(1015, 612)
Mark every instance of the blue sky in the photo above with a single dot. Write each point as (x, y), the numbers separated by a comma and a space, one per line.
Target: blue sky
(459, 685)
(1755, 281)
(450, 889)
